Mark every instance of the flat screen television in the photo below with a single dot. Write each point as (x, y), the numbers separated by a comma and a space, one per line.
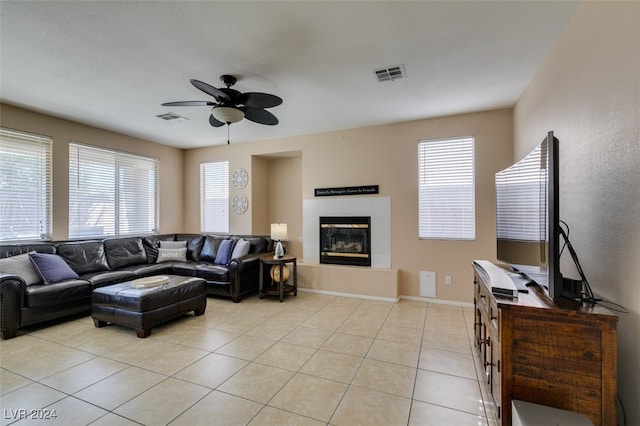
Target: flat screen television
(527, 217)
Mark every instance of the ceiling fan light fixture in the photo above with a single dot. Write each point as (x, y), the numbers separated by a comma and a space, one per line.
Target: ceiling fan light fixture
(227, 114)
(231, 106)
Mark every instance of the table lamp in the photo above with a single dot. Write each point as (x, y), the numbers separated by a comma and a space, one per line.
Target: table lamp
(279, 234)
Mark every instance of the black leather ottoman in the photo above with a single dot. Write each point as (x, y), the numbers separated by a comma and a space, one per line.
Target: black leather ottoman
(143, 308)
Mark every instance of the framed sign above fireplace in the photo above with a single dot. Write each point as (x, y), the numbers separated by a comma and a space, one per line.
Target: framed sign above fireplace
(347, 190)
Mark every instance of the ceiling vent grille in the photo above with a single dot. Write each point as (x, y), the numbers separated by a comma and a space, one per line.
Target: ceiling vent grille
(390, 73)
(172, 117)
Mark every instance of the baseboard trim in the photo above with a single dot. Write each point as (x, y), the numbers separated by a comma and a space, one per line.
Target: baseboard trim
(353, 296)
(437, 301)
(388, 299)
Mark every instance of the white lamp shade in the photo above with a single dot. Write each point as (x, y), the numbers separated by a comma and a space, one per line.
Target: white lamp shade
(279, 231)
(227, 114)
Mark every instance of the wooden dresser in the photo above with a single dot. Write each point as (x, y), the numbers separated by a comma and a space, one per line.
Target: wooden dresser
(561, 354)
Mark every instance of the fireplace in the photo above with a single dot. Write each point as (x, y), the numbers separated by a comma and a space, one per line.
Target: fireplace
(345, 240)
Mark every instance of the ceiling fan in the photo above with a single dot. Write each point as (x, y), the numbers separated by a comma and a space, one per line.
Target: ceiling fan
(231, 106)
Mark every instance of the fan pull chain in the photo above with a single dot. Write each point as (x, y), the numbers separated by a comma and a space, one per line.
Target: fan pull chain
(228, 127)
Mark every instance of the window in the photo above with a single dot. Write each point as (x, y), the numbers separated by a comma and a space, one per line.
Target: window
(214, 181)
(111, 192)
(446, 192)
(25, 186)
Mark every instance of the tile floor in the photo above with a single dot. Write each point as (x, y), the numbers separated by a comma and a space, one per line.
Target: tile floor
(312, 360)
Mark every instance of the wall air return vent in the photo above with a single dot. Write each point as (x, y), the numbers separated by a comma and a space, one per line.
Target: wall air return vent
(172, 117)
(390, 73)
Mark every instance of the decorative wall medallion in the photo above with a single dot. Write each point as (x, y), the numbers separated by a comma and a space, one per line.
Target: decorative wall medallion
(240, 203)
(240, 178)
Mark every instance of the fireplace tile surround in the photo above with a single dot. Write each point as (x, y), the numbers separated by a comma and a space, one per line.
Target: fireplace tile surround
(378, 282)
(378, 208)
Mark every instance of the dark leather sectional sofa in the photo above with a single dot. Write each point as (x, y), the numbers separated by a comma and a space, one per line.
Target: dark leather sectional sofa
(113, 260)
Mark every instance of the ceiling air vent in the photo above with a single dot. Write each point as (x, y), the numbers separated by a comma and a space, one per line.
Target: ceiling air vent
(390, 73)
(172, 117)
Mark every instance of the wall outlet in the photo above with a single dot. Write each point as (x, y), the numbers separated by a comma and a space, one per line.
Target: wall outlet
(447, 279)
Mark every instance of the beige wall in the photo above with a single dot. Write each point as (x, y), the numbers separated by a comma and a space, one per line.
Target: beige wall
(283, 172)
(62, 132)
(588, 92)
(380, 155)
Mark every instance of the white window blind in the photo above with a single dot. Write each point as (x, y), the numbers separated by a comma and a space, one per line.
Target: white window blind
(521, 193)
(214, 200)
(446, 189)
(25, 186)
(111, 192)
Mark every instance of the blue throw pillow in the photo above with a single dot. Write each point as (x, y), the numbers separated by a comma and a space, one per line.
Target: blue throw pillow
(52, 268)
(224, 252)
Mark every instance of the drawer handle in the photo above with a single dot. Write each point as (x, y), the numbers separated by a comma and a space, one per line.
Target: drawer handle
(482, 296)
(493, 318)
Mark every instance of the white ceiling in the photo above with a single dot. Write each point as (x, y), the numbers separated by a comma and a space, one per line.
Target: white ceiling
(110, 64)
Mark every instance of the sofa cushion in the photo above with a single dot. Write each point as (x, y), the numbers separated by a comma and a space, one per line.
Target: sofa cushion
(100, 279)
(57, 293)
(149, 269)
(21, 266)
(84, 256)
(224, 252)
(210, 248)
(152, 243)
(187, 269)
(14, 249)
(257, 244)
(122, 252)
(240, 249)
(172, 255)
(194, 245)
(52, 268)
(216, 273)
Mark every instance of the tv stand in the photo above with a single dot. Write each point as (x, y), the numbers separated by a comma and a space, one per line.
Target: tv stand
(561, 354)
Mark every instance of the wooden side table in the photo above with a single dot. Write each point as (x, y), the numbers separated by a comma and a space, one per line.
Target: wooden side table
(281, 287)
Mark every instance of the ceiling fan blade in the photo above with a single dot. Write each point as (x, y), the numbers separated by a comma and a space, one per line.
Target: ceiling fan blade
(258, 100)
(210, 90)
(261, 116)
(214, 122)
(189, 103)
